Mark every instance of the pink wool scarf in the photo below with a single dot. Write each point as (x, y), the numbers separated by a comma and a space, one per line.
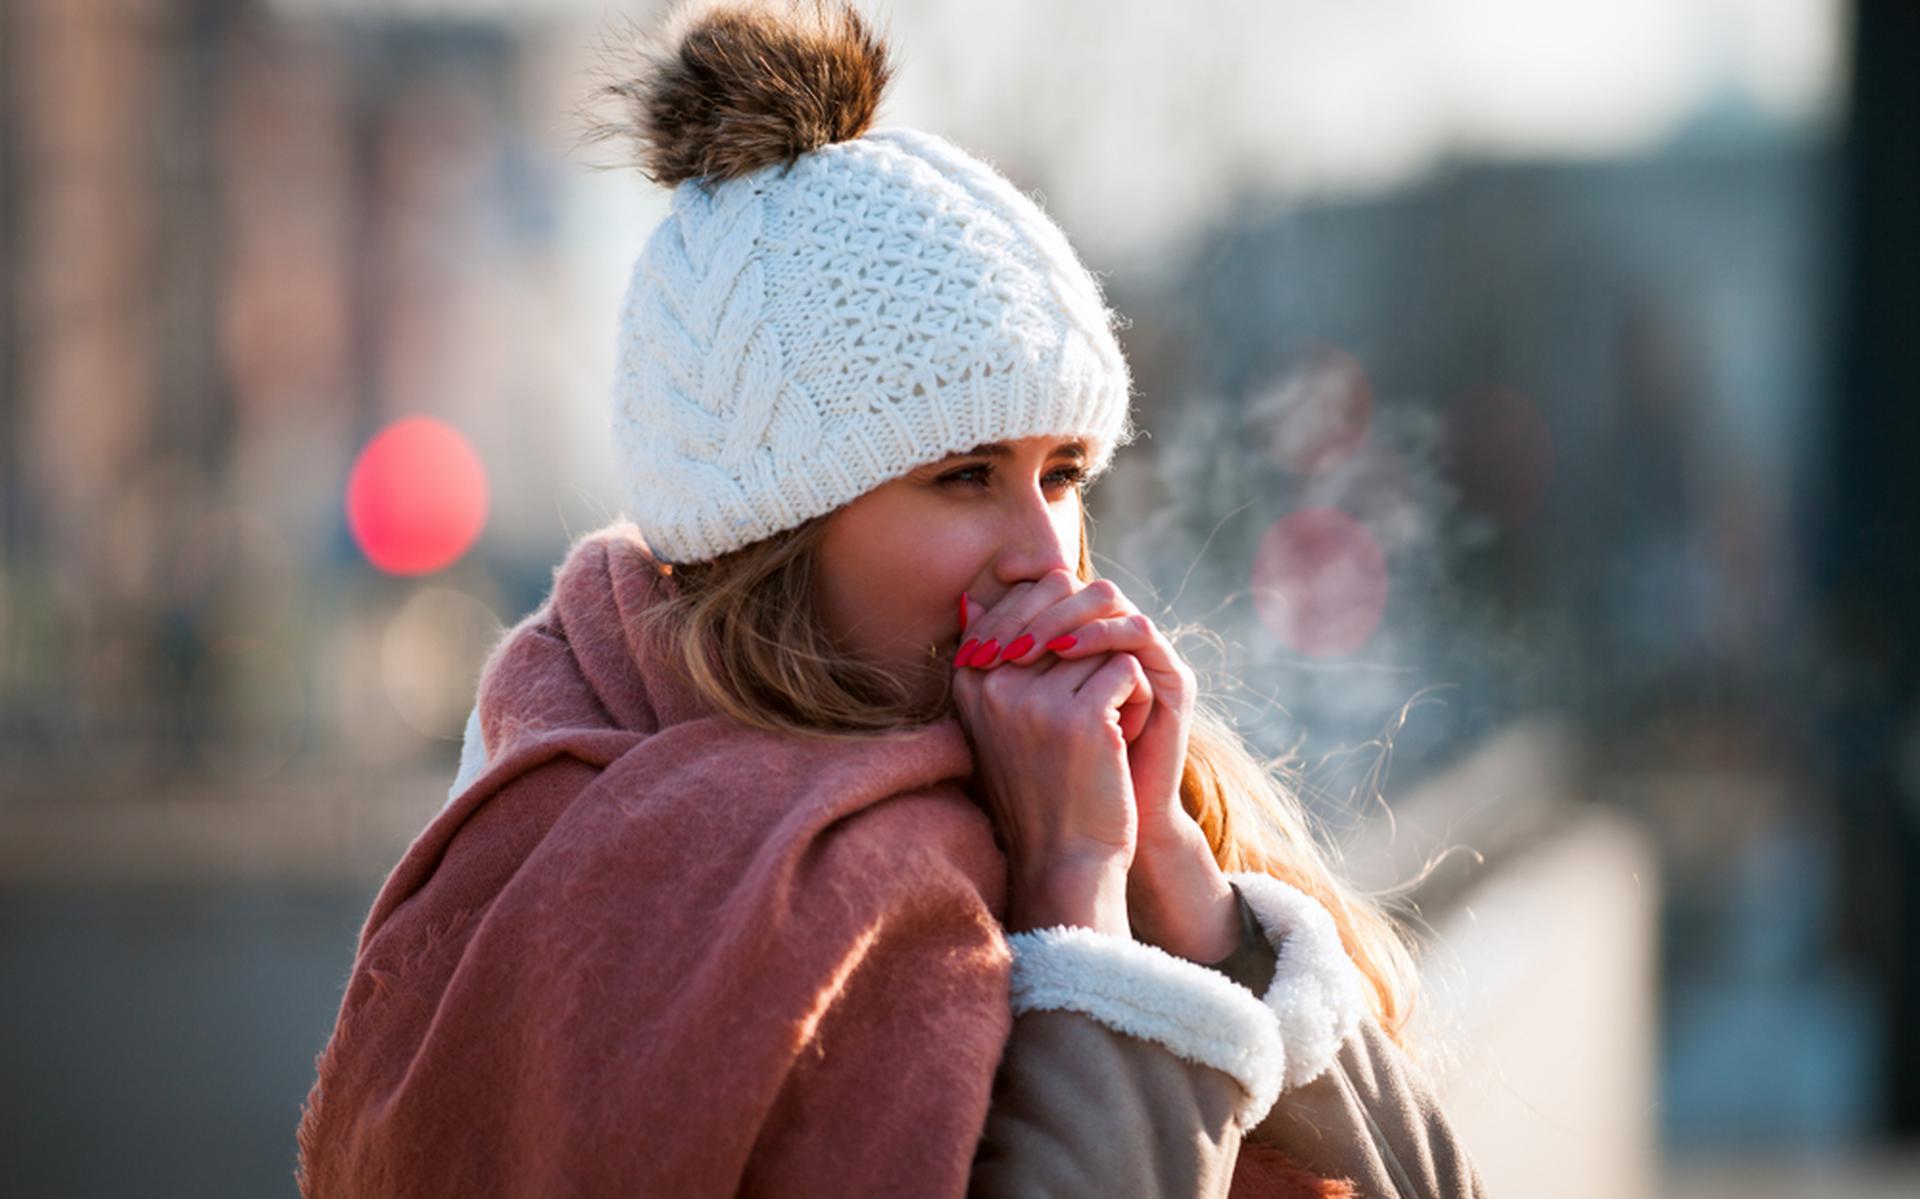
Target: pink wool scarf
(652, 951)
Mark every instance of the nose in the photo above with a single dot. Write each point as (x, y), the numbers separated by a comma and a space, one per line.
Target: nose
(1039, 536)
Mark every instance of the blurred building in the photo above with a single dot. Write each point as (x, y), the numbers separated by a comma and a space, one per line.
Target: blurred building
(240, 248)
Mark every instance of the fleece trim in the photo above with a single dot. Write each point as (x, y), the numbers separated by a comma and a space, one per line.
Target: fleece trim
(473, 756)
(1145, 992)
(1317, 995)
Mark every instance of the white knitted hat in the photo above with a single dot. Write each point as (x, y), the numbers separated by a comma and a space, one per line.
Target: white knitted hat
(824, 307)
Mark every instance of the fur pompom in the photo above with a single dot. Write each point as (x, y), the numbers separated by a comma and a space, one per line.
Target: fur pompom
(725, 87)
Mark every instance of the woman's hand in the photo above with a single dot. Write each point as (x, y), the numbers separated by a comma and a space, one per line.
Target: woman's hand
(1052, 760)
(1177, 895)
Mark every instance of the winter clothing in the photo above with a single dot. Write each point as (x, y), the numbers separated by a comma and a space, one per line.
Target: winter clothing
(648, 950)
(801, 332)
(653, 951)
(1367, 1127)
(792, 339)
(1371, 1119)
(1067, 1085)
(1310, 1007)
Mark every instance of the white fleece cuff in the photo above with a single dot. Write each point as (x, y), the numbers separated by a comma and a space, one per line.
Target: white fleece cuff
(473, 757)
(1318, 995)
(1145, 992)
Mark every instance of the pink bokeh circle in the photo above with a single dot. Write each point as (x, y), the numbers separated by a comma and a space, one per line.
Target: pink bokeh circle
(1319, 582)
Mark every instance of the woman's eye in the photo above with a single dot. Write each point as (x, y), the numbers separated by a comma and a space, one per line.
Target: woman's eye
(1066, 476)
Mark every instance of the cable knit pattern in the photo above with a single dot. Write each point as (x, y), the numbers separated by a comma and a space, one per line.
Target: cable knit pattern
(794, 337)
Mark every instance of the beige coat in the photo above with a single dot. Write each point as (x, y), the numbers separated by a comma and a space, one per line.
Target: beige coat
(1081, 1110)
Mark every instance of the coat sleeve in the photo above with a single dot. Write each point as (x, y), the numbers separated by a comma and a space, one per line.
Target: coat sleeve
(1371, 1119)
(1082, 1108)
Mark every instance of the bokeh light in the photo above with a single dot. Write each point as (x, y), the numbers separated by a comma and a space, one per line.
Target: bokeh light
(1316, 416)
(1319, 582)
(351, 682)
(417, 497)
(430, 658)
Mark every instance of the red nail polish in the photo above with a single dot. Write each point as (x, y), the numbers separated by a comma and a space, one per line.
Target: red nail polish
(1019, 647)
(984, 655)
(966, 651)
(1060, 643)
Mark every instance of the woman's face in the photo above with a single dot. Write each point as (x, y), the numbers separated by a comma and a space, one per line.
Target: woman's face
(891, 565)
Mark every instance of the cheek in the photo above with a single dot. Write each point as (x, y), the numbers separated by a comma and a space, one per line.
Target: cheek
(890, 581)
(921, 585)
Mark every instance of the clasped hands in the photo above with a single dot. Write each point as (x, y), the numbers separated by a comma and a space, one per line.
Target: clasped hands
(1079, 711)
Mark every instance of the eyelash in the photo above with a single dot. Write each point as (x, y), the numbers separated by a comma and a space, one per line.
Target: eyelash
(1075, 475)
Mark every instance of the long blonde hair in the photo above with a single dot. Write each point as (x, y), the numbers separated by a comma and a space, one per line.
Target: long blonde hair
(745, 628)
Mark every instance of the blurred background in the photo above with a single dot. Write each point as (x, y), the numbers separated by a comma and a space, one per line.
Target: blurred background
(1531, 407)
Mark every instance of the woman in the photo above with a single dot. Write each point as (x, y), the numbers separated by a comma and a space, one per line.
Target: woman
(831, 829)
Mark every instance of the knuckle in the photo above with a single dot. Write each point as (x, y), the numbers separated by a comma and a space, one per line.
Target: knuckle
(1104, 590)
(997, 685)
(1053, 720)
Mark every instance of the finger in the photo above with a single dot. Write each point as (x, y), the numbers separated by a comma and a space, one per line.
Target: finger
(1137, 708)
(1119, 683)
(1171, 679)
(1135, 713)
(1135, 634)
(971, 610)
(998, 626)
(1100, 598)
(972, 634)
(1050, 684)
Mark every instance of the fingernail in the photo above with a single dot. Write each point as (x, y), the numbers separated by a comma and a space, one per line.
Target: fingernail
(1019, 647)
(965, 650)
(963, 611)
(985, 653)
(1060, 643)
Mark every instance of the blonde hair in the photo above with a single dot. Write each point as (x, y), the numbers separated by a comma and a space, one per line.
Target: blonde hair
(744, 626)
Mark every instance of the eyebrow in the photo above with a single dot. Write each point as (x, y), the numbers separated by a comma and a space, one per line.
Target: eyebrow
(1000, 449)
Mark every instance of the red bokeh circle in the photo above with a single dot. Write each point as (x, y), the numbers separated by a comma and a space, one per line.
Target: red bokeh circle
(417, 497)
(1320, 582)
